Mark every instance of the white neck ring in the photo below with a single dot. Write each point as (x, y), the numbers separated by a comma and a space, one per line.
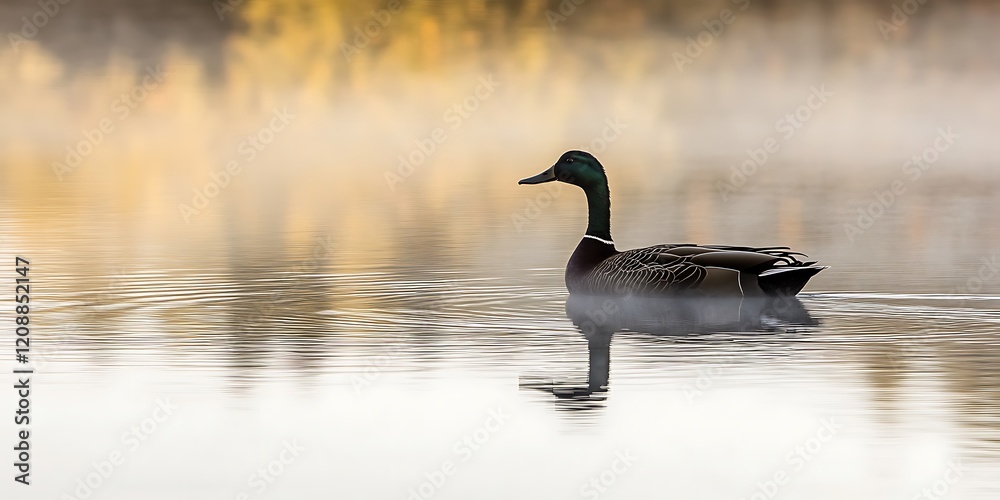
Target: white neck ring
(602, 240)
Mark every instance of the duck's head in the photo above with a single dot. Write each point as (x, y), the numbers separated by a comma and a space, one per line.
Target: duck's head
(574, 167)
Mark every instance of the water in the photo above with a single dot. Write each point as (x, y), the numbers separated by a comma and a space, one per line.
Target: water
(321, 322)
(380, 371)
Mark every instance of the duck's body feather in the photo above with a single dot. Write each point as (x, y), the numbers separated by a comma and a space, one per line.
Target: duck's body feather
(685, 269)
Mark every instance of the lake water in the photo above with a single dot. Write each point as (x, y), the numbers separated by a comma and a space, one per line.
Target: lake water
(380, 372)
(360, 306)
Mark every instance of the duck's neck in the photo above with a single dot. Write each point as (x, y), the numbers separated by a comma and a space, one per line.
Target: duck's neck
(596, 245)
(599, 206)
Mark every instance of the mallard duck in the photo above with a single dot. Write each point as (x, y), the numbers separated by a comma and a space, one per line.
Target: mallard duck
(598, 268)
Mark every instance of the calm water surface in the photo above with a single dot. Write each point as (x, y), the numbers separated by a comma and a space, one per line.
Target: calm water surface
(381, 372)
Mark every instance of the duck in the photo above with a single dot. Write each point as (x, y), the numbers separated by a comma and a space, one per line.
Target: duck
(597, 267)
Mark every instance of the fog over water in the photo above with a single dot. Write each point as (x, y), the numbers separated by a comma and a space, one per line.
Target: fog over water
(308, 236)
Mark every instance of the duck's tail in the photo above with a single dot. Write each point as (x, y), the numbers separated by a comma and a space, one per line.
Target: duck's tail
(787, 280)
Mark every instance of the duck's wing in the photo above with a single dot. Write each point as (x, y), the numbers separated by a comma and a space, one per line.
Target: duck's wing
(646, 271)
(784, 255)
(786, 274)
(674, 268)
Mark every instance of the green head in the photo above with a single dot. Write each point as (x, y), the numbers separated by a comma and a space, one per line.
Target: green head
(582, 169)
(574, 167)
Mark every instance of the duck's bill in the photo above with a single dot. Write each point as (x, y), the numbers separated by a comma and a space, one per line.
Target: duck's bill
(546, 176)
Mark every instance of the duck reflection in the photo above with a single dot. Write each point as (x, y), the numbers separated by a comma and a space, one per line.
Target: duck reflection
(598, 318)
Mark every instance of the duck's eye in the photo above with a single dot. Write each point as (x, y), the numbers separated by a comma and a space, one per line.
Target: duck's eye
(569, 160)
